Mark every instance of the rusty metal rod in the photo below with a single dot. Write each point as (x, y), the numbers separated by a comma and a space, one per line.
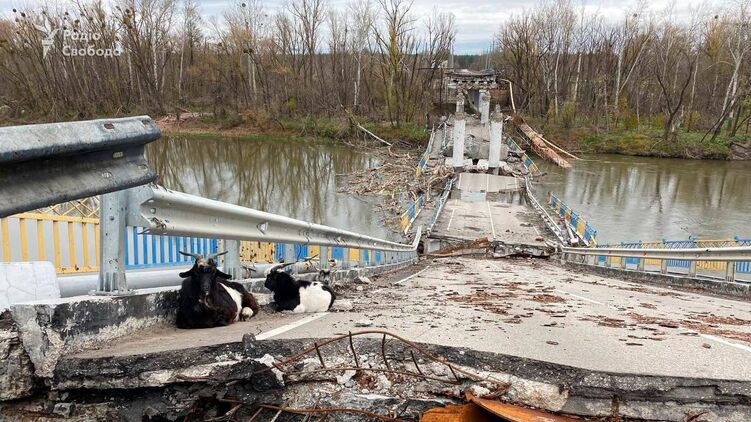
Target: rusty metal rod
(332, 410)
(354, 353)
(318, 352)
(383, 352)
(409, 343)
(412, 353)
(388, 371)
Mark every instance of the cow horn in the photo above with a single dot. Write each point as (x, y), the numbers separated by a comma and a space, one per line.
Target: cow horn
(277, 267)
(217, 254)
(194, 255)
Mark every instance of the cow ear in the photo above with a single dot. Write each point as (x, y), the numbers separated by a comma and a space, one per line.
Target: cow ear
(223, 275)
(186, 274)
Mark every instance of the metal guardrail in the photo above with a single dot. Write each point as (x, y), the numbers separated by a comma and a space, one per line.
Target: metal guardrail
(575, 221)
(165, 212)
(440, 204)
(48, 164)
(526, 160)
(731, 256)
(741, 266)
(547, 218)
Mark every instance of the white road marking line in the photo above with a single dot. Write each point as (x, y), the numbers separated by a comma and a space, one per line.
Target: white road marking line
(706, 336)
(412, 276)
(723, 341)
(490, 217)
(448, 228)
(579, 297)
(291, 326)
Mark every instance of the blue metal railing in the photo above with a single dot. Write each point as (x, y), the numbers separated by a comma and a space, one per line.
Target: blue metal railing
(144, 250)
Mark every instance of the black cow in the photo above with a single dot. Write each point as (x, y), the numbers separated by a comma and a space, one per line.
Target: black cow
(208, 299)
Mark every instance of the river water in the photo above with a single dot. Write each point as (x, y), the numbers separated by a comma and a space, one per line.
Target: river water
(297, 179)
(640, 198)
(624, 198)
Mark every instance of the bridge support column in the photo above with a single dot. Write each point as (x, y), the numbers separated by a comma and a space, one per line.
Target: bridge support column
(112, 213)
(664, 266)
(484, 105)
(459, 126)
(232, 259)
(323, 257)
(496, 139)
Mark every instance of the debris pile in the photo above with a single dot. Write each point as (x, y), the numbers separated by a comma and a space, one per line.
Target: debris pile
(397, 181)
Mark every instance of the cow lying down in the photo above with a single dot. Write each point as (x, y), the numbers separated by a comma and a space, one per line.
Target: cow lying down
(208, 299)
(291, 294)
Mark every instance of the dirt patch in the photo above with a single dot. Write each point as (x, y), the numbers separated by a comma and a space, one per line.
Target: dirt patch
(715, 319)
(488, 301)
(701, 327)
(546, 298)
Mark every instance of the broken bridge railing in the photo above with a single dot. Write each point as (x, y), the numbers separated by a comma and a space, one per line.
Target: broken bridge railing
(731, 257)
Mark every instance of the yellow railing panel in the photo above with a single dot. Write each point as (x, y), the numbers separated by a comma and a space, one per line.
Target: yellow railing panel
(71, 248)
(24, 239)
(6, 239)
(40, 240)
(85, 238)
(56, 244)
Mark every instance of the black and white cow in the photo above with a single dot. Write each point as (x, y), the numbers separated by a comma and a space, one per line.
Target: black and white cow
(291, 294)
(208, 299)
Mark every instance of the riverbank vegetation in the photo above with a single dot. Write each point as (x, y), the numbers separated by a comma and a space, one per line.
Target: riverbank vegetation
(649, 83)
(306, 60)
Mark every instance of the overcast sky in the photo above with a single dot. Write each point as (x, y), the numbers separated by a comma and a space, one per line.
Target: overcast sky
(477, 20)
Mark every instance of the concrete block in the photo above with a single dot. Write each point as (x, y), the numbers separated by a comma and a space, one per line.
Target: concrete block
(27, 281)
(51, 328)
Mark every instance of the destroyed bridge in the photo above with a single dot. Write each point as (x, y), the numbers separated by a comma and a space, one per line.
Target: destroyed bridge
(501, 302)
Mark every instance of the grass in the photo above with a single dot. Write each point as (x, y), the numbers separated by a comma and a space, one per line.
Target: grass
(642, 141)
(253, 127)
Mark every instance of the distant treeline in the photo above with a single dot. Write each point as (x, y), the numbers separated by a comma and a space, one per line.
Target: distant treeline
(646, 68)
(160, 56)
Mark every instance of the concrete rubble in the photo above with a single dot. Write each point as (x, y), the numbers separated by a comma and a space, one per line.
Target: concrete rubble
(392, 377)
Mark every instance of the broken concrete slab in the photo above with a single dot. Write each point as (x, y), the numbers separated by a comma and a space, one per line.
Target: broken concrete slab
(529, 382)
(51, 328)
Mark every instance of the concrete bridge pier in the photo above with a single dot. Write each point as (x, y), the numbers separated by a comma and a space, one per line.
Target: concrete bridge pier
(484, 105)
(459, 127)
(496, 140)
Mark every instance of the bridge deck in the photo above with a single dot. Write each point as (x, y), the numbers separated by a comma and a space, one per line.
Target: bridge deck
(533, 309)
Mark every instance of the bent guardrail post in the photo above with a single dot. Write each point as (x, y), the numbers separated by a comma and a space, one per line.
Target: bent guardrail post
(48, 164)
